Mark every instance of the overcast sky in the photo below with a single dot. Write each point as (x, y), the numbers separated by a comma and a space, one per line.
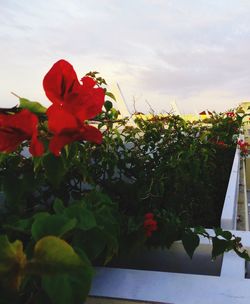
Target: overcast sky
(196, 52)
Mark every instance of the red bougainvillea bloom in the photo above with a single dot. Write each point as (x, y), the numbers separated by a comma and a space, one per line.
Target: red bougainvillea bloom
(150, 224)
(16, 128)
(73, 103)
(221, 144)
(230, 114)
(243, 147)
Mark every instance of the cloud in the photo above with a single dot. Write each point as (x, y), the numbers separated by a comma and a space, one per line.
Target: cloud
(157, 50)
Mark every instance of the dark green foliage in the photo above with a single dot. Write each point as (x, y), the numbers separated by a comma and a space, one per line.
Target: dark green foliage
(89, 204)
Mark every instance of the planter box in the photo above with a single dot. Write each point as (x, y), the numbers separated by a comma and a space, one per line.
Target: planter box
(169, 276)
(229, 284)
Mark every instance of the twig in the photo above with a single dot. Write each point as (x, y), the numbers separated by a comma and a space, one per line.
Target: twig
(15, 95)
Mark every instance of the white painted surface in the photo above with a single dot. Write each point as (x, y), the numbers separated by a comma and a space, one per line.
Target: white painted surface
(229, 212)
(230, 287)
(170, 287)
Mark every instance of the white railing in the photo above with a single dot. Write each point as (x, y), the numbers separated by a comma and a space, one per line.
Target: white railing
(229, 212)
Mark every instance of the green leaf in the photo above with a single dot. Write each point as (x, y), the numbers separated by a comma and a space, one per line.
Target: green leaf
(219, 247)
(33, 106)
(227, 235)
(108, 105)
(111, 95)
(190, 242)
(54, 168)
(65, 277)
(84, 241)
(56, 225)
(3, 157)
(41, 214)
(200, 230)
(58, 206)
(85, 218)
(22, 225)
(12, 262)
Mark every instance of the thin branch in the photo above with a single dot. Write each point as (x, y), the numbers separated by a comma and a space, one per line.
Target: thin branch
(15, 95)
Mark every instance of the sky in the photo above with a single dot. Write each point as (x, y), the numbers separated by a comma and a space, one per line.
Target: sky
(193, 52)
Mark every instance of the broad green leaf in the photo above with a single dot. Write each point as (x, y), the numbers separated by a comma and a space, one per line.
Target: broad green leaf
(54, 168)
(65, 277)
(65, 289)
(12, 263)
(56, 225)
(219, 246)
(85, 218)
(190, 242)
(33, 106)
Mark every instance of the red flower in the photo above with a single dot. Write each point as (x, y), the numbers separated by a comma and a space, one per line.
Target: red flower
(230, 114)
(16, 128)
(243, 147)
(72, 104)
(149, 224)
(221, 144)
(149, 215)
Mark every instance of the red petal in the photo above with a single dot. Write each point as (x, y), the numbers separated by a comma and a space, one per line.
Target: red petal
(60, 82)
(24, 121)
(36, 147)
(149, 215)
(88, 82)
(91, 134)
(9, 141)
(58, 142)
(88, 133)
(60, 120)
(92, 101)
(16, 128)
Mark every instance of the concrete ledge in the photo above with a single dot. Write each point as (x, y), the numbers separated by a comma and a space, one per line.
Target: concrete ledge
(229, 212)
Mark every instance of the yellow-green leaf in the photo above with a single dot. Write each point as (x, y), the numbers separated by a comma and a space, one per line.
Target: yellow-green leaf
(66, 278)
(33, 106)
(12, 263)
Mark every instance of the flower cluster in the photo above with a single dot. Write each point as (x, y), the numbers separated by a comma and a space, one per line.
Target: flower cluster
(150, 224)
(243, 147)
(221, 144)
(230, 114)
(72, 104)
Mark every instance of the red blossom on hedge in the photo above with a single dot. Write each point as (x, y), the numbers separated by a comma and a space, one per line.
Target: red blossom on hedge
(72, 104)
(221, 144)
(230, 114)
(243, 147)
(150, 224)
(16, 128)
